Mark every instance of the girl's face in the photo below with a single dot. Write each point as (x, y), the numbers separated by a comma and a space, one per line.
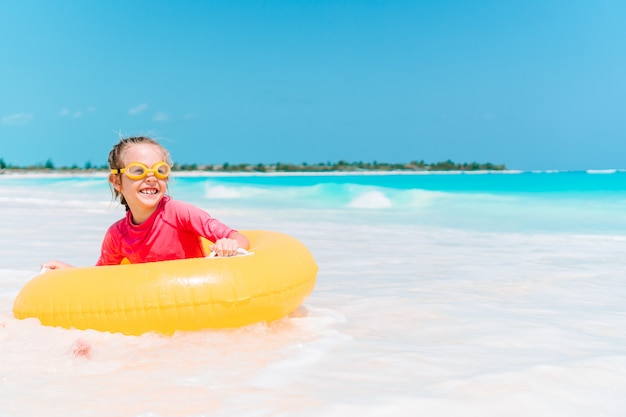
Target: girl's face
(142, 195)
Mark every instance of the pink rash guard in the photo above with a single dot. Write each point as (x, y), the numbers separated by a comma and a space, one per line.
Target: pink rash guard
(171, 232)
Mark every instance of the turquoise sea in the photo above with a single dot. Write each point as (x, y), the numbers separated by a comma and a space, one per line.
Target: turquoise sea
(578, 202)
(586, 202)
(438, 294)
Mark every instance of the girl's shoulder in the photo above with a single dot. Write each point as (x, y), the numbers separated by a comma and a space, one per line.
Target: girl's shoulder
(119, 227)
(171, 205)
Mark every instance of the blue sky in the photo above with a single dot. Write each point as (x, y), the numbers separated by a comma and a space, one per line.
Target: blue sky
(530, 84)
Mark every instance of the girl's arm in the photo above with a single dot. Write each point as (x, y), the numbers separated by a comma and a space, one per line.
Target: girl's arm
(228, 246)
(241, 239)
(202, 224)
(56, 265)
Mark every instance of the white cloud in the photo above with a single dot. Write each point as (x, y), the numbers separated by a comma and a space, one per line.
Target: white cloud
(75, 114)
(138, 109)
(161, 117)
(17, 119)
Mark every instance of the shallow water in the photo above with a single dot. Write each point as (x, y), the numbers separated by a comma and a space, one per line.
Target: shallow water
(468, 300)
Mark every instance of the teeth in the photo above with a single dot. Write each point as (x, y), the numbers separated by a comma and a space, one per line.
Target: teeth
(150, 191)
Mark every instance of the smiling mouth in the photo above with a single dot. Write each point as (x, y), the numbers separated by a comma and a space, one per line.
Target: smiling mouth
(150, 191)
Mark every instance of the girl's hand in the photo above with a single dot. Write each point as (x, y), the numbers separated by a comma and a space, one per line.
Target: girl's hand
(55, 265)
(225, 247)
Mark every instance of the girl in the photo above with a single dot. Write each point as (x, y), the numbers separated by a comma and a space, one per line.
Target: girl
(156, 228)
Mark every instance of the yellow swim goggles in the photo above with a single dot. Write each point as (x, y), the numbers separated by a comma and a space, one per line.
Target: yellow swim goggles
(137, 170)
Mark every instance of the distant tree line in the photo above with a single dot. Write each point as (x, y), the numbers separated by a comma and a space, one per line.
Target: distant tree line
(344, 166)
(50, 166)
(341, 165)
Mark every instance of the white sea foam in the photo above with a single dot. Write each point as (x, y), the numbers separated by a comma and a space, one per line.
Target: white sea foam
(601, 171)
(371, 199)
(221, 192)
(406, 318)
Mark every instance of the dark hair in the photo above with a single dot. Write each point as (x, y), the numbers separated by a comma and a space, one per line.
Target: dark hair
(115, 157)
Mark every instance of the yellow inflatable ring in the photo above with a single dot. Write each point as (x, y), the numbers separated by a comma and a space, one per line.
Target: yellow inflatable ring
(187, 294)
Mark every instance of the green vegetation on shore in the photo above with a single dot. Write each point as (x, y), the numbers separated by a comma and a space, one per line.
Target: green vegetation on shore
(341, 166)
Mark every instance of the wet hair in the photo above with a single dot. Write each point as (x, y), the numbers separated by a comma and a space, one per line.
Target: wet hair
(115, 158)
